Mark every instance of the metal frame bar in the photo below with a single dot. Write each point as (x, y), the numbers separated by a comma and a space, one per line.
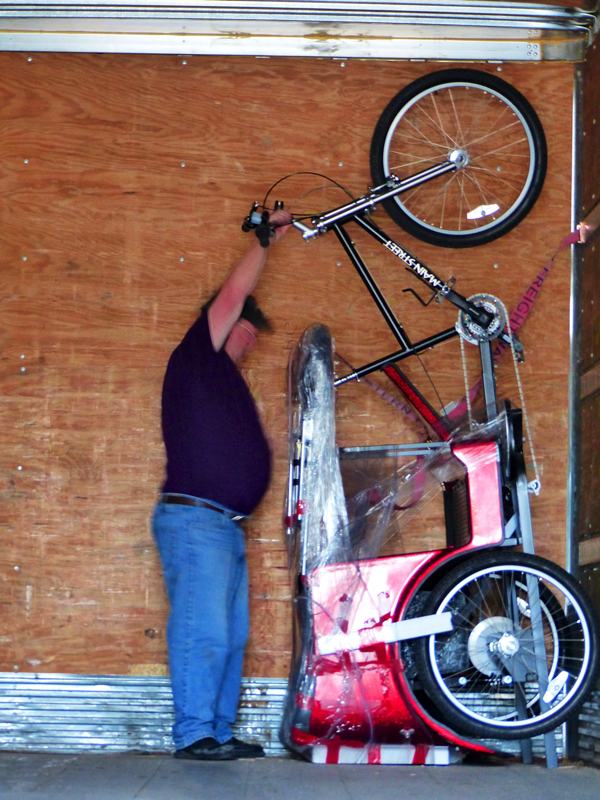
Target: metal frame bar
(399, 355)
(573, 412)
(394, 450)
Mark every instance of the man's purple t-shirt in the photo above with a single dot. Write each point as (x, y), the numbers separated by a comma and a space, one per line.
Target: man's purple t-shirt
(216, 447)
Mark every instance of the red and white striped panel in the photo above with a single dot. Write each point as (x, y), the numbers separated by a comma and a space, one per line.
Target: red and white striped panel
(432, 755)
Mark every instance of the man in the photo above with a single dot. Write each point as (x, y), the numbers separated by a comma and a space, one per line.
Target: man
(218, 469)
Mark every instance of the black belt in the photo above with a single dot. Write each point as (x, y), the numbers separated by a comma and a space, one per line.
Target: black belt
(182, 500)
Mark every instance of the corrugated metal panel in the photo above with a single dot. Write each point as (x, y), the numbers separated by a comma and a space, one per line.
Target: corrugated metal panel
(77, 713)
(72, 713)
(588, 742)
(424, 29)
(589, 731)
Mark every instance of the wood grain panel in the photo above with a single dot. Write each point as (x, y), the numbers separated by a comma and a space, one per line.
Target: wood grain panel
(590, 175)
(589, 301)
(589, 476)
(588, 468)
(123, 181)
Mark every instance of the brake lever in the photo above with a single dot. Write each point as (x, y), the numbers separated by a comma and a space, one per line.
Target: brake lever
(253, 218)
(259, 223)
(263, 230)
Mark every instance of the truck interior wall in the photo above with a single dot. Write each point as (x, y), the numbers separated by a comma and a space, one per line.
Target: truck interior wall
(589, 301)
(587, 485)
(123, 182)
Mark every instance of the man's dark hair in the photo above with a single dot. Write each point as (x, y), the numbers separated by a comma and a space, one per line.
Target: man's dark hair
(251, 311)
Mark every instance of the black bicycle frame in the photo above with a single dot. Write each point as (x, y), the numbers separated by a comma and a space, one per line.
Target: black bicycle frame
(356, 211)
(424, 274)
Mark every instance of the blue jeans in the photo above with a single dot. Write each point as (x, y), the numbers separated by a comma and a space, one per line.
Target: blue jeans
(203, 557)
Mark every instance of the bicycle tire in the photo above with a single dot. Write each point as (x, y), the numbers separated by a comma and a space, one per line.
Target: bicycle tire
(469, 674)
(496, 132)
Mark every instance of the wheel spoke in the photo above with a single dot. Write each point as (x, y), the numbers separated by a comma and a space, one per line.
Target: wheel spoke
(498, 132)
(436, 122)
(415, 161)
(513, 184)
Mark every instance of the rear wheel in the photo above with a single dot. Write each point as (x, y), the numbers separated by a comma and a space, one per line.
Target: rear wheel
(523, 654)
(492, 134)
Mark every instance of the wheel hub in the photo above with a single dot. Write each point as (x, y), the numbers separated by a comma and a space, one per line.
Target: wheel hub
(459, 157)
(492, 640)
(507, 645)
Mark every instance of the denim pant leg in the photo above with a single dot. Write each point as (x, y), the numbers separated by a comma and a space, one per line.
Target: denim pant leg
(229, 694)
(200, 553)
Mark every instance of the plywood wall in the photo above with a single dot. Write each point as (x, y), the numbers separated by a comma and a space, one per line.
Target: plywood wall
(123, 180)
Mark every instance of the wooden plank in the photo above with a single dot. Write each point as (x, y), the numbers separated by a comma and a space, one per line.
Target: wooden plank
(590, 381)
(122, 186)
(590, 176)
(588, 483)
(589, 551)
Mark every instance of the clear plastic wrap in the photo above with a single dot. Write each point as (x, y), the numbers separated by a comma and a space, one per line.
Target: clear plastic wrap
(324, 521)
(385, 492)
(355, 613)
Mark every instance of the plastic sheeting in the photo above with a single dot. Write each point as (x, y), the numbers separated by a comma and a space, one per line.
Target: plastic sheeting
(354, 624)
(314, 454)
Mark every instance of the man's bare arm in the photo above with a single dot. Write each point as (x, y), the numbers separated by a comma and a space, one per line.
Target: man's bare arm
(241, 281)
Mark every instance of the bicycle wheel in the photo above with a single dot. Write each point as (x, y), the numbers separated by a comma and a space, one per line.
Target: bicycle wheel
(486, 676)
(492, 134)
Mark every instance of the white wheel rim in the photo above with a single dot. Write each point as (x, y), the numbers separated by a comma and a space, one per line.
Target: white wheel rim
(514, 723)
(531, 148)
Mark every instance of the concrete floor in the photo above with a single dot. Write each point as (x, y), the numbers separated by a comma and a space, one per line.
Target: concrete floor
(131, 776)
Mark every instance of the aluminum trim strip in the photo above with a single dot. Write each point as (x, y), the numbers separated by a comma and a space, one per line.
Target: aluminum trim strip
(230, 9)
(268, 47)
(425, 29)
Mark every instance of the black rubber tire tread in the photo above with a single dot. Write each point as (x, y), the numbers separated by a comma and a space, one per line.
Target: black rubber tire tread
(452, 715)
(438, 80)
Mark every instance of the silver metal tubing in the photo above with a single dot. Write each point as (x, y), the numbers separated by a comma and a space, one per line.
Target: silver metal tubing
(574, 427)
(394, 450)
(307, 233)
(373, 198)
(489, 381)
